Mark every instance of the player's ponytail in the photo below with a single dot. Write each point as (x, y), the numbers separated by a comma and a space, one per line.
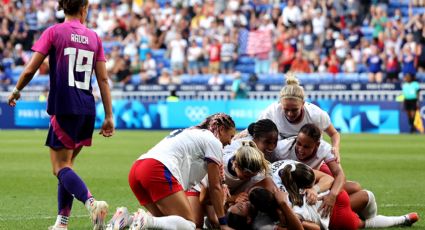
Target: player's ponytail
(292, 89)
(296, 176)
(71, 7)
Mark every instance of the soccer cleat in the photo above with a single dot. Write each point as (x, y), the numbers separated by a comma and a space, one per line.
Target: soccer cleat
(58, 227)
(411, 218)
(120, 220)
(98, 212)
(141, 220)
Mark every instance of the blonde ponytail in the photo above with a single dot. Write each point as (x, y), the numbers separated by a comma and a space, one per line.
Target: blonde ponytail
(292, 89)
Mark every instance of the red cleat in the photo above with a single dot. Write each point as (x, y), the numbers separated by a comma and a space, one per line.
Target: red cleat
(411, 218)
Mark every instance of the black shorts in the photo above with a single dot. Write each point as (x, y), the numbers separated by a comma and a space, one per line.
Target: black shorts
(411, 104)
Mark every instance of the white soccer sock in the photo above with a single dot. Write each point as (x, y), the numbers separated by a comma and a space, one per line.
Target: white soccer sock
(170, 223)
(384, 221)
(371, 209)
(61, 220)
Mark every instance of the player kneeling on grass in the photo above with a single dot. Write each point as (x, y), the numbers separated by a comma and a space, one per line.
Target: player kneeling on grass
(74, 51)
(159, 178)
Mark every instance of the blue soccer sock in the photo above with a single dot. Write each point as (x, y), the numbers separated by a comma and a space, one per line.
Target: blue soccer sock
(65, 200)
(73, 184)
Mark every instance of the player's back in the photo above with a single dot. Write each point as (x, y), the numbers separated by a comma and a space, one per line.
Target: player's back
(73, 52)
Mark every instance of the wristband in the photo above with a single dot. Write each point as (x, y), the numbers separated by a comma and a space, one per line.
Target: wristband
(15, 91)
(222, 220)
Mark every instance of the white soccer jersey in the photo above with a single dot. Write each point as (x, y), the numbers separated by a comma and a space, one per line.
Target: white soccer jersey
(185, 154)
(285, 150)
(307, 212)
(310, 213)
(312, 114)
(235, 184)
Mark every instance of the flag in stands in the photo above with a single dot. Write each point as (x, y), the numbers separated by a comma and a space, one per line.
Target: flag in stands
(418, 122)
(254, 42)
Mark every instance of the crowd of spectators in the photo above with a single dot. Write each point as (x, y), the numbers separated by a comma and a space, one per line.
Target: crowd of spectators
(158, 41)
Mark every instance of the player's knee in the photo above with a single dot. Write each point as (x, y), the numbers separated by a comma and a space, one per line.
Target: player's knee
(352, 187)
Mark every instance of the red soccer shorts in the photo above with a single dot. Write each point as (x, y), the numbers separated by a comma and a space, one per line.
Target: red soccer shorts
(151, 181)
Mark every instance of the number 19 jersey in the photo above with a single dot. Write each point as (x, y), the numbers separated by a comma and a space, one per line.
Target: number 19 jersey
(73, 51)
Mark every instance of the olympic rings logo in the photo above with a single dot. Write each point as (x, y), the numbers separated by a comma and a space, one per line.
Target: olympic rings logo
(196, 113)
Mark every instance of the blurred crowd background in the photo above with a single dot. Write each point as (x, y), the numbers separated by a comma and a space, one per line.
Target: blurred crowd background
(163, 41)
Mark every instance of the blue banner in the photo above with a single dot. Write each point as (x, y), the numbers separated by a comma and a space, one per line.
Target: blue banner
(347, 117)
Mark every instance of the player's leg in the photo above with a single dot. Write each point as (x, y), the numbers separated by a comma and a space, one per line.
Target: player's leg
(161, 194)
(67, 135)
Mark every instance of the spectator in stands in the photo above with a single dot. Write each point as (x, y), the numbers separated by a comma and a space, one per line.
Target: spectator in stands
(319, 22)
(227, 55)
(20, 57)
(407, 58)
(336, 21)
(349, 65)
(194, 56)
(291, 14)
(328, 42)
(332, 63)
(410, 89)
(177, 53)
(214, 56)
(308, 39)
(121, 70)
(374, 63)
(288, 55)
(148, 72)
(300, 65)
(392, 66)
(379, 21)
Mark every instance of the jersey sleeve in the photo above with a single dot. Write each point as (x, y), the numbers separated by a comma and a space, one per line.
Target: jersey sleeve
(44, 43)
(100, 52)
(213, 150)
(325, 150)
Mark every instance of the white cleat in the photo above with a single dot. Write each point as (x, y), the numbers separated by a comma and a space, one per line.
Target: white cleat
(141, 220)
(120, 220)
(98, 213)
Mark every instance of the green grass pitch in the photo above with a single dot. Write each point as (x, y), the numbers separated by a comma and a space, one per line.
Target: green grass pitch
(392, 166)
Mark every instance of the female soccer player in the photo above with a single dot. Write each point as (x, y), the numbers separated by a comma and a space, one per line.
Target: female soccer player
(74, 52)
(264, 133)
(159, 178)
(293, 177)
(292, 112)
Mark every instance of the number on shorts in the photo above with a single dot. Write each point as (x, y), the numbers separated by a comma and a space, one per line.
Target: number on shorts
(76, 60)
